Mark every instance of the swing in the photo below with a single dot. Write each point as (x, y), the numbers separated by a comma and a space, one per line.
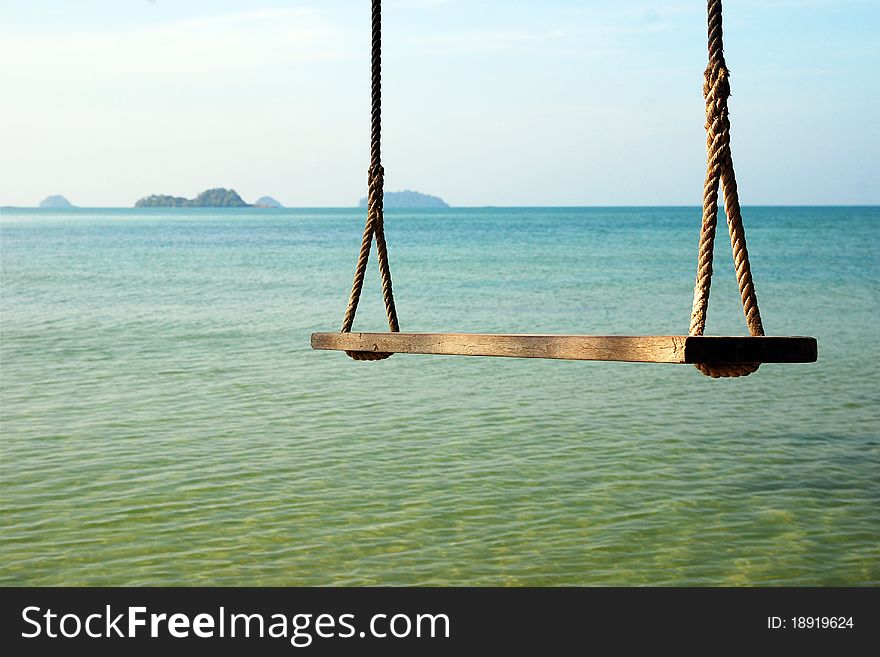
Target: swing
(715, 356)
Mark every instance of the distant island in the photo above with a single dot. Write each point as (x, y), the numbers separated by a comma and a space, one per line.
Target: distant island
(211, 198)
(56, 201)
(267, 202)
(409, 199)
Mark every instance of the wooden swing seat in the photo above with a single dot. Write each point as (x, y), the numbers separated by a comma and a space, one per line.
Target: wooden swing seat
(682, 349)
(714, 356)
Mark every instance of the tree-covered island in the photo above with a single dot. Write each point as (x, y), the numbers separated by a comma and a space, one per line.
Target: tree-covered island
(218, 197)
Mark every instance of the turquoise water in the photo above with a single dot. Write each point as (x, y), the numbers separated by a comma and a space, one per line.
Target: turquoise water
(164, 420)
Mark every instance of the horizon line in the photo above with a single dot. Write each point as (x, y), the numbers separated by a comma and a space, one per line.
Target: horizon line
(450, 207)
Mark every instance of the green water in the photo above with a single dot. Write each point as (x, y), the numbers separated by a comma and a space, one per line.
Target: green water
(164, 421)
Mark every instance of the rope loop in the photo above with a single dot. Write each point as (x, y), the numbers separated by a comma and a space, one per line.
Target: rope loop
(375, 224)
(720, 173)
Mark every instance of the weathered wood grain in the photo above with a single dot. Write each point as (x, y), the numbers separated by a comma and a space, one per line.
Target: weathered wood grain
(641, 348)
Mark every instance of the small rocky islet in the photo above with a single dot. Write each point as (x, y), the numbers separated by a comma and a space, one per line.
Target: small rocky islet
(56, 201)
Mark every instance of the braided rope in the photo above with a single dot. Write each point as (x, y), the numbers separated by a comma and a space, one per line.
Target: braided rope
(719, 169)
(375, 224)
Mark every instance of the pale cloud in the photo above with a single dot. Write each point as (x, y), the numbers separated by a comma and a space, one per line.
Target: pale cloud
(415, 4)
(231, 43)
(587, 28)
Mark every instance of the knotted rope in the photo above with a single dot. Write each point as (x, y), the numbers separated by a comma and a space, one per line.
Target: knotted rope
(716, 89)
(375, 225)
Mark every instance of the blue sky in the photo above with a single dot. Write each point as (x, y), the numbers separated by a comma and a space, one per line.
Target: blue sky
(551, 102)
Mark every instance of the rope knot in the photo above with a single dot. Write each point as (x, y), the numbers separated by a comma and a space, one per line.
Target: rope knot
(716, 81)
(376, 172)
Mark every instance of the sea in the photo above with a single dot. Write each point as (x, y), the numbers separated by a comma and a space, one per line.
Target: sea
(164, 421)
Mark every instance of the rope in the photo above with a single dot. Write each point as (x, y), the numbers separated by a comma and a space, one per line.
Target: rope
(375, 224)
(719, 169)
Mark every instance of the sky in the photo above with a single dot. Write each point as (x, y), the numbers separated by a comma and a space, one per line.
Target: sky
(501, 102)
